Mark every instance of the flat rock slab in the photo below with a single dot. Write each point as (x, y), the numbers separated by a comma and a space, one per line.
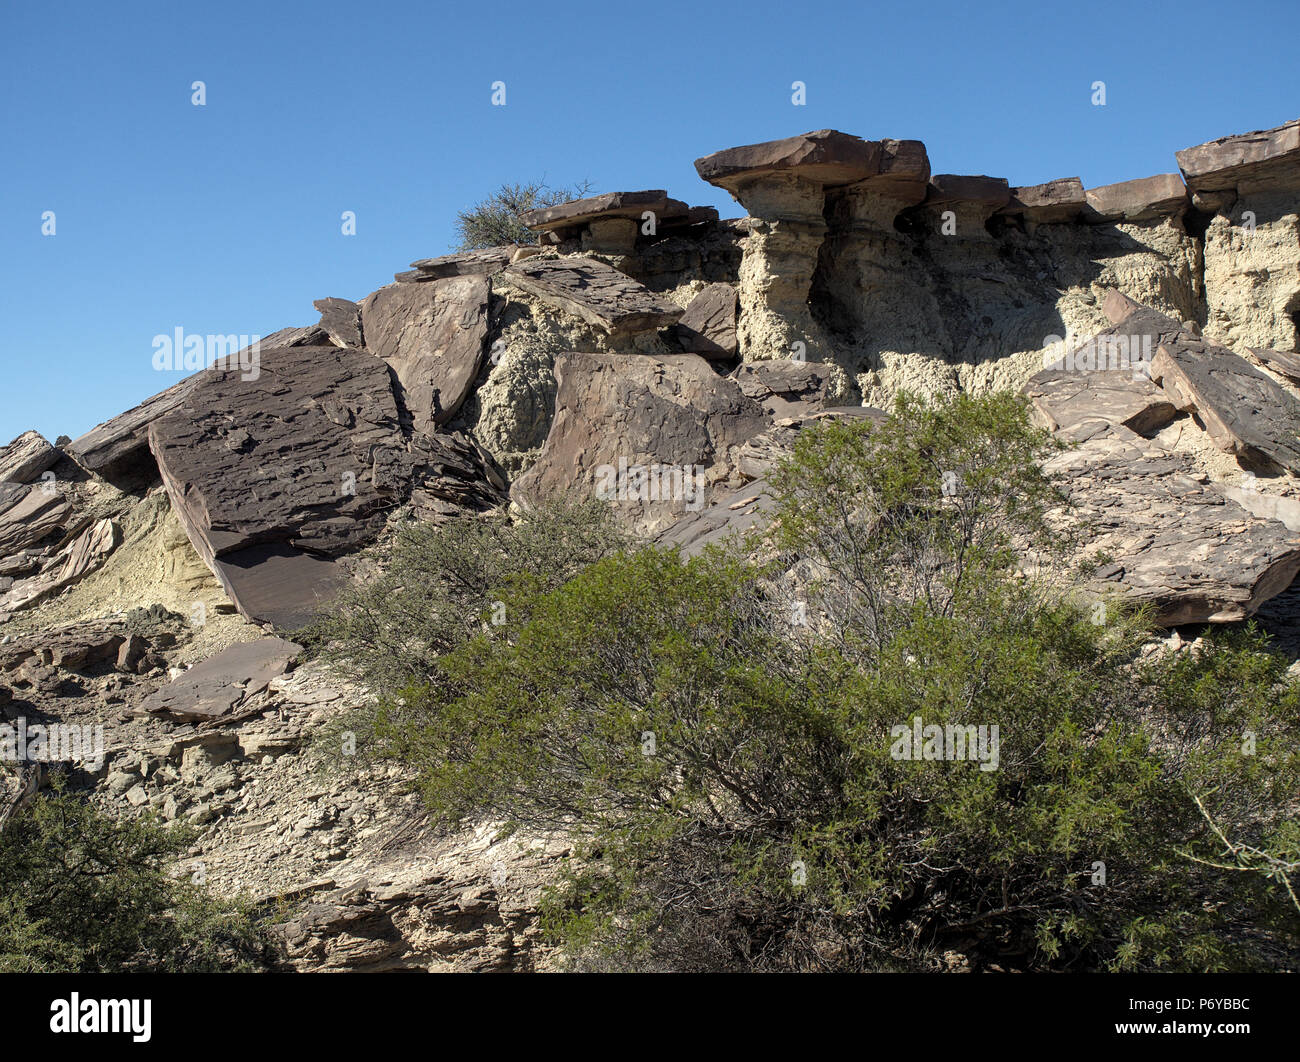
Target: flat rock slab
(432, 335)
(309, 456)
(119, 448)
(731, 515)
(1248, 162)
(1145, 199)
(1245, 412)
(1062, 398)
(616, 415)
(1282, 362)
(596, 292)
(1055, 202)
(26, 458)
(708, 327)
(1180, 545)
(785, 388)
(80, 557)
(463, 264)
(222, 683)
(990, 193)
(826, 157)
(609, 205)
(279, 584)
(340, 320)
(29, 514)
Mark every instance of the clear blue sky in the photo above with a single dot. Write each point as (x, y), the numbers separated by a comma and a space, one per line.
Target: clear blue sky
(226, 218)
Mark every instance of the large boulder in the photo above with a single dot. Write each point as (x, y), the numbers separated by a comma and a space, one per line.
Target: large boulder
(432, 336)
(221, 684)
(273, 477)
(650, 435)
(26, 458)
(1171, 540)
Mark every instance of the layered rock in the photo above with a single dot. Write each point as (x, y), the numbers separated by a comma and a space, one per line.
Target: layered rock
(1174, 542)
(595, 292)
(783, 185)
(959, 205)
(24, 459)
(1053, 203)
(221, 684)
(650, 435)
(340, 320)
(1245, 412)
(273, 477)
(432, 336)
(1144, 199)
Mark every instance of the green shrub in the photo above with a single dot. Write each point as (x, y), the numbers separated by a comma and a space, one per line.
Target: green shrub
(495, 220)
(732, 779)
(83, 892)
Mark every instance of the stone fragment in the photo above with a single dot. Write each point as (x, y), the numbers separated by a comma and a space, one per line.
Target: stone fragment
(24, 459)
(1061, 398)
(1144, 199)
(340, 319)
(222, 683)
(1263, 160)
(432, 336)
(626, 205)
(785, 388)
(708, 327)
(1283, 362)
(29, 514)
(479, 262)
(596, 292)
(1052, 203)
(825, 157)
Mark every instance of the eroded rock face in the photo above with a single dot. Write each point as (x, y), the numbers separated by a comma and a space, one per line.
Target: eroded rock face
(1245, 412)
(650, 435)
(432, 335)
(26, 458)
(1173, 541)
(1252, 273)
(708, 327)
(595, 292)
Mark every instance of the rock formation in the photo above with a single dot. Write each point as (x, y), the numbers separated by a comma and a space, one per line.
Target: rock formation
(666, 364)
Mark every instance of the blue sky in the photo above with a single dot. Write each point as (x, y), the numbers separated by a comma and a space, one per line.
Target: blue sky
(226, 218)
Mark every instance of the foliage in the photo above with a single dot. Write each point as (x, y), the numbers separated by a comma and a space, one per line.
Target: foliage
(495, 220)
(83, 892)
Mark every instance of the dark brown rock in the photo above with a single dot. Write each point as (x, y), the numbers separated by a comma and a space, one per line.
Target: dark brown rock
(1145, 199)
(432, 336)
(24, 459)
(480, 262)
(308, 457)
(340, 319)
(615, 415)
(29, 514)
(1263, 160)
(988, 193)
(224, 682)
(1283, 362)
(826, 157)
(785, 388)
(1063, 398)
(579, 212)
(1052, 203)
(708, 327)
(1244, 411)
(596, 292)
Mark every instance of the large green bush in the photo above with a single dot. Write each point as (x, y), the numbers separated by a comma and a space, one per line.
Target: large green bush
(730, 772)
